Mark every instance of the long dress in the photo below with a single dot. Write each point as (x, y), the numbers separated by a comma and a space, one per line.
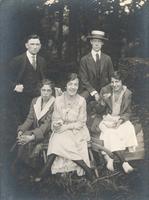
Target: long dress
(70, 144)
(116, 139)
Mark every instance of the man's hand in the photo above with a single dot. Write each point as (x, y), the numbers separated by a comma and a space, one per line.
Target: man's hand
(96, 96)
(19, 88)
(106, 96)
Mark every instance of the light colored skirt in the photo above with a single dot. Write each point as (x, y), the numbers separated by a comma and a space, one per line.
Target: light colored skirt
(69, 145)
(116, 139)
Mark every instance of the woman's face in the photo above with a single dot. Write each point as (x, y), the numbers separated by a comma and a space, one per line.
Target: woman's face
(46, 92)
(72, 87)
(116, 84)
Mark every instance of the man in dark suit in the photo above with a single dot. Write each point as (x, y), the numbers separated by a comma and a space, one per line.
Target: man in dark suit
(95, 68)
(26, 71)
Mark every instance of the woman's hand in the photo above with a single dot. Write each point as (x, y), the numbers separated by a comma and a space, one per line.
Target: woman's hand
(57, 125)
(111, 124)
(24, 139)
(120, 121)
(20, 133)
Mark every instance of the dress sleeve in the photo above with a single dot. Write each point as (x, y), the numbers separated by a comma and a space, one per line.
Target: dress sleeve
(45, 127)
(56, 117)
(29, 120)
(127, 111)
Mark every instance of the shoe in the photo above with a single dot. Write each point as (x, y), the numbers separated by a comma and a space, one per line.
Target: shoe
(127, 167)
(110, 165)
(131, 149)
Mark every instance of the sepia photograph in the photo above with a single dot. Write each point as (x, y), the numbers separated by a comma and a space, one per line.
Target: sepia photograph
(74, 104)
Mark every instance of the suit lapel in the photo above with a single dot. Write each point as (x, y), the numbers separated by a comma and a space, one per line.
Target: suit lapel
(102, 60)
(38, 62)
(92, 64)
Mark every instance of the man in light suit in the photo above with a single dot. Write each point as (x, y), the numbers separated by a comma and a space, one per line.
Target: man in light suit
(26, 71)
(96, 67)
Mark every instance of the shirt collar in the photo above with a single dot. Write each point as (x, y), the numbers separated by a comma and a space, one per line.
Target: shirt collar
(94, 54)
(29, 55)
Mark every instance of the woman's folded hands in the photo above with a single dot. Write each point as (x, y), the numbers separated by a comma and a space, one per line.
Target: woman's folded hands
(24, 138)
(60, 127)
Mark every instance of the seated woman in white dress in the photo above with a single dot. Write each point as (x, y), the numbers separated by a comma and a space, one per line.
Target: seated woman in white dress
(67, 149)
(117, 131)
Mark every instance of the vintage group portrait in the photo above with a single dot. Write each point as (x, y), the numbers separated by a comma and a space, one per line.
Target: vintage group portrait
(74, 79)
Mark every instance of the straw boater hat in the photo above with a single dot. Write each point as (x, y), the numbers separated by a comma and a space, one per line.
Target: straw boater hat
(95, 34)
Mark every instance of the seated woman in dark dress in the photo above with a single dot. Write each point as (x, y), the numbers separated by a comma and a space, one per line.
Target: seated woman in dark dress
(37, 126)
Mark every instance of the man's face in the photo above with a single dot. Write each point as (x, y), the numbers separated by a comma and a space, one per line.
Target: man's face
(96, 44)
(33, 46)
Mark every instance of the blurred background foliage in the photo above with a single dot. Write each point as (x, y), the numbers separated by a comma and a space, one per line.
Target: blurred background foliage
(64, 24)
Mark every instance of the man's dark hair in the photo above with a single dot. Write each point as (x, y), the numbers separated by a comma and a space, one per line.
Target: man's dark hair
(33, 36)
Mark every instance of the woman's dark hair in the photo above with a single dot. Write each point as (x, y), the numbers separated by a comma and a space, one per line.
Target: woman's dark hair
(71, 77)
(117, 75)
(47, 82)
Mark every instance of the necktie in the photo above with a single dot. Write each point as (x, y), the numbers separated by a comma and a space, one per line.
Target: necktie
(97, 64)
(97, 59)
(34, 62)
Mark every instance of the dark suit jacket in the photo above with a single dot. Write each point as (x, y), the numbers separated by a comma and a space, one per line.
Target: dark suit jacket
(90, 79)
(17, 68)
